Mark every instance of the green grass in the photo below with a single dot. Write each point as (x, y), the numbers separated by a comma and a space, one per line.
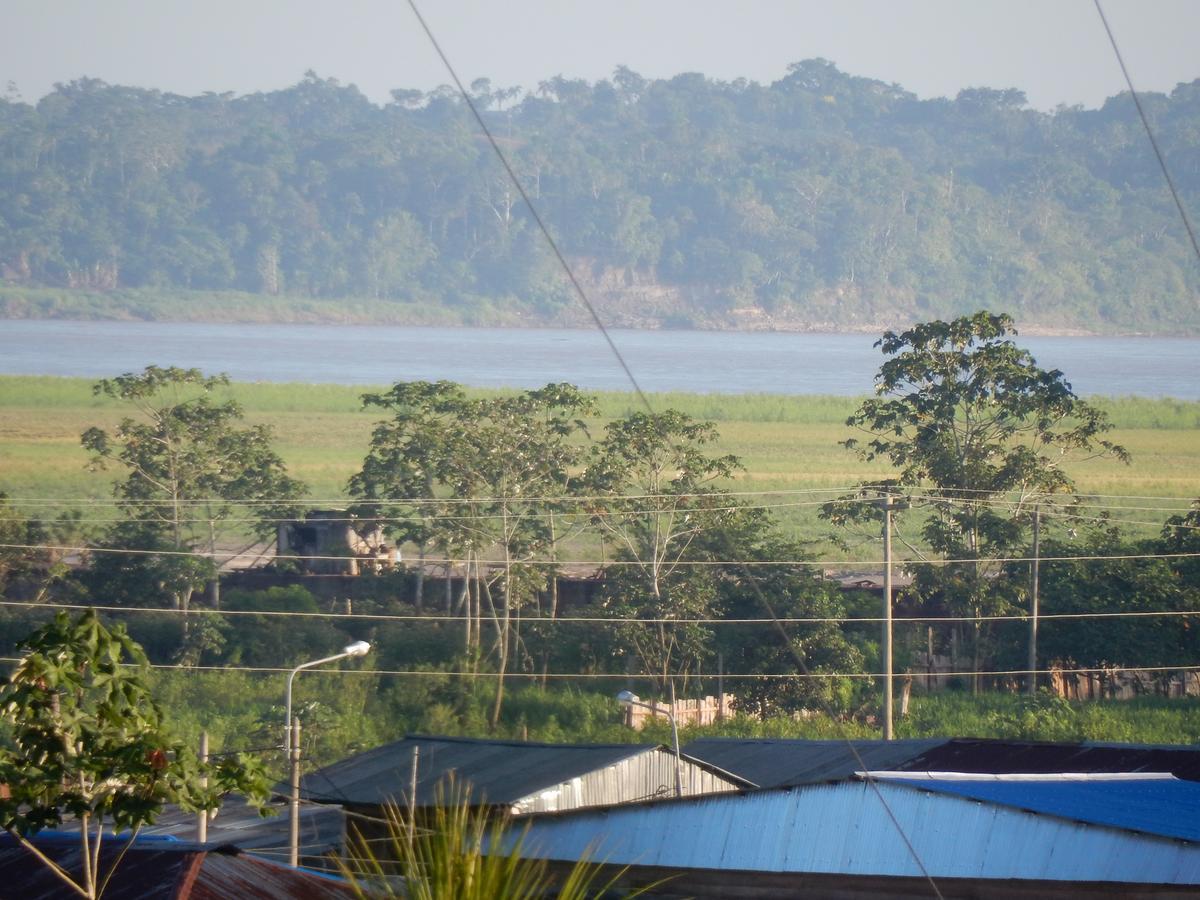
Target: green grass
(356, 711)
(788, 444)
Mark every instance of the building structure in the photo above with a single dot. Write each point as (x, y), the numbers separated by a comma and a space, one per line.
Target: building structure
(766, 762)
(334, 542)
(161, 868)
(781, 762)
(513, 776)
(899, 837)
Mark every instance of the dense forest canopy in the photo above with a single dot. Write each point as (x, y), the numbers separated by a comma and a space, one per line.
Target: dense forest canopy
(822, 200)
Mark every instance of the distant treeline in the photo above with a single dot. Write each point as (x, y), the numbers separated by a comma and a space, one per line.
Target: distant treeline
(822, 200)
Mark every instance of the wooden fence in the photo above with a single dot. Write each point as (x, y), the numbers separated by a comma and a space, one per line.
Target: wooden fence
(704, 711)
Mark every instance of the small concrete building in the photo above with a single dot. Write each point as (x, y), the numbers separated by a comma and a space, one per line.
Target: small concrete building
(334, 542)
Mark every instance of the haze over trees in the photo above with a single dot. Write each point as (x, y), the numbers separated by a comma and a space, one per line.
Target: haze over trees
(821, 200)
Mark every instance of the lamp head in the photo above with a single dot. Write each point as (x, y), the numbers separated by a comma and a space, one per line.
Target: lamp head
(627, 697)
(358, 648)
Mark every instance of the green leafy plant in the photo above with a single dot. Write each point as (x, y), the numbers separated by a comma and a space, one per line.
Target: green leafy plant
(89, 745)
(463, 853)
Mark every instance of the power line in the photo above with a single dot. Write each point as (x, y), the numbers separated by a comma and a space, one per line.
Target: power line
(606, 563)
(460, 517)
(1162, 162)
(933, 491)
(562, 260)
(650, 676)
(567, 511)
(418, 501)
(432, 618)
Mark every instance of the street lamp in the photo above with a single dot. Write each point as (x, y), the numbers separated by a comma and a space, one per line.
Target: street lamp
(291, 744)
(629, 698)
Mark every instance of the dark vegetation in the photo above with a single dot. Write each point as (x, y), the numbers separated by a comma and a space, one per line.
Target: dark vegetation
(822, 200)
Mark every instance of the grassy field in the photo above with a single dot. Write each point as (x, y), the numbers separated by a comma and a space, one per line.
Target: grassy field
(788, 444)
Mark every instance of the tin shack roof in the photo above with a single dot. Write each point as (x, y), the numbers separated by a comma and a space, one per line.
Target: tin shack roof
(1161, 805)
(997, 756)
(322, 828)
(783, 763)
(498, 772)
(238, 823)
(844, 830)
(163, 869)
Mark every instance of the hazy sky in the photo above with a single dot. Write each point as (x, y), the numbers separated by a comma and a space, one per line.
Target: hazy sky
(1054, 50)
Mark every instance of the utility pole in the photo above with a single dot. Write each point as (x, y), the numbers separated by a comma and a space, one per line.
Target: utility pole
(888, 733)
(888, 505)
(1033, 599)
(294, 800)
(202, 816)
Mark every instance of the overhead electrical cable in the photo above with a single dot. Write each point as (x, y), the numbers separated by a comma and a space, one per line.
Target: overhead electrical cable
(601, 563)
(1162, 161)
(437, 618)
(618, 676)
(512, 175)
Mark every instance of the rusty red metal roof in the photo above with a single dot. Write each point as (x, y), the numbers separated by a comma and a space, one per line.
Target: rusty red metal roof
(162, 870)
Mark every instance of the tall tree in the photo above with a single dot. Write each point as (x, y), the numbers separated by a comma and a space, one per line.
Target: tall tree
(497, 464)
(979, 432)
(657, 497)
(768, 587)
(190, 465)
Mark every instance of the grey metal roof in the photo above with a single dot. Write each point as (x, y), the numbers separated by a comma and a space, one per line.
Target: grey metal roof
(785, 763)
(238, 824)
(322, 828)
(996, 756)
(843, 829)
(499, 773)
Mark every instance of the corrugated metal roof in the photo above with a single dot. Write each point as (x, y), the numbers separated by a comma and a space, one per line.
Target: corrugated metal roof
(1168, 807)
(785, 763)
(237, 823)
(969, 755)
(322, 828)
(842, 829)
(500, 773)
(162, 869)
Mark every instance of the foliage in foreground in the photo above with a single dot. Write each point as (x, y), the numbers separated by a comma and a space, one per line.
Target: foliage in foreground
(447, 857)
(88, 743)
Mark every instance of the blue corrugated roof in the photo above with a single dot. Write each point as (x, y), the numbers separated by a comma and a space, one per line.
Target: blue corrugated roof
(844, 829)
(1162, 806)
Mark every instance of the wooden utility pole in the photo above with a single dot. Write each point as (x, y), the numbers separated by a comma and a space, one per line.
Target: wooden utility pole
(412, 799)
(294, 804)
(888, 504)
(888, 733)
(1033, 600)
(202, 816)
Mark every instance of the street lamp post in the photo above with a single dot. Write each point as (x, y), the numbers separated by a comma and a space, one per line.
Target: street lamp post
(292, 744)
(629, 698)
